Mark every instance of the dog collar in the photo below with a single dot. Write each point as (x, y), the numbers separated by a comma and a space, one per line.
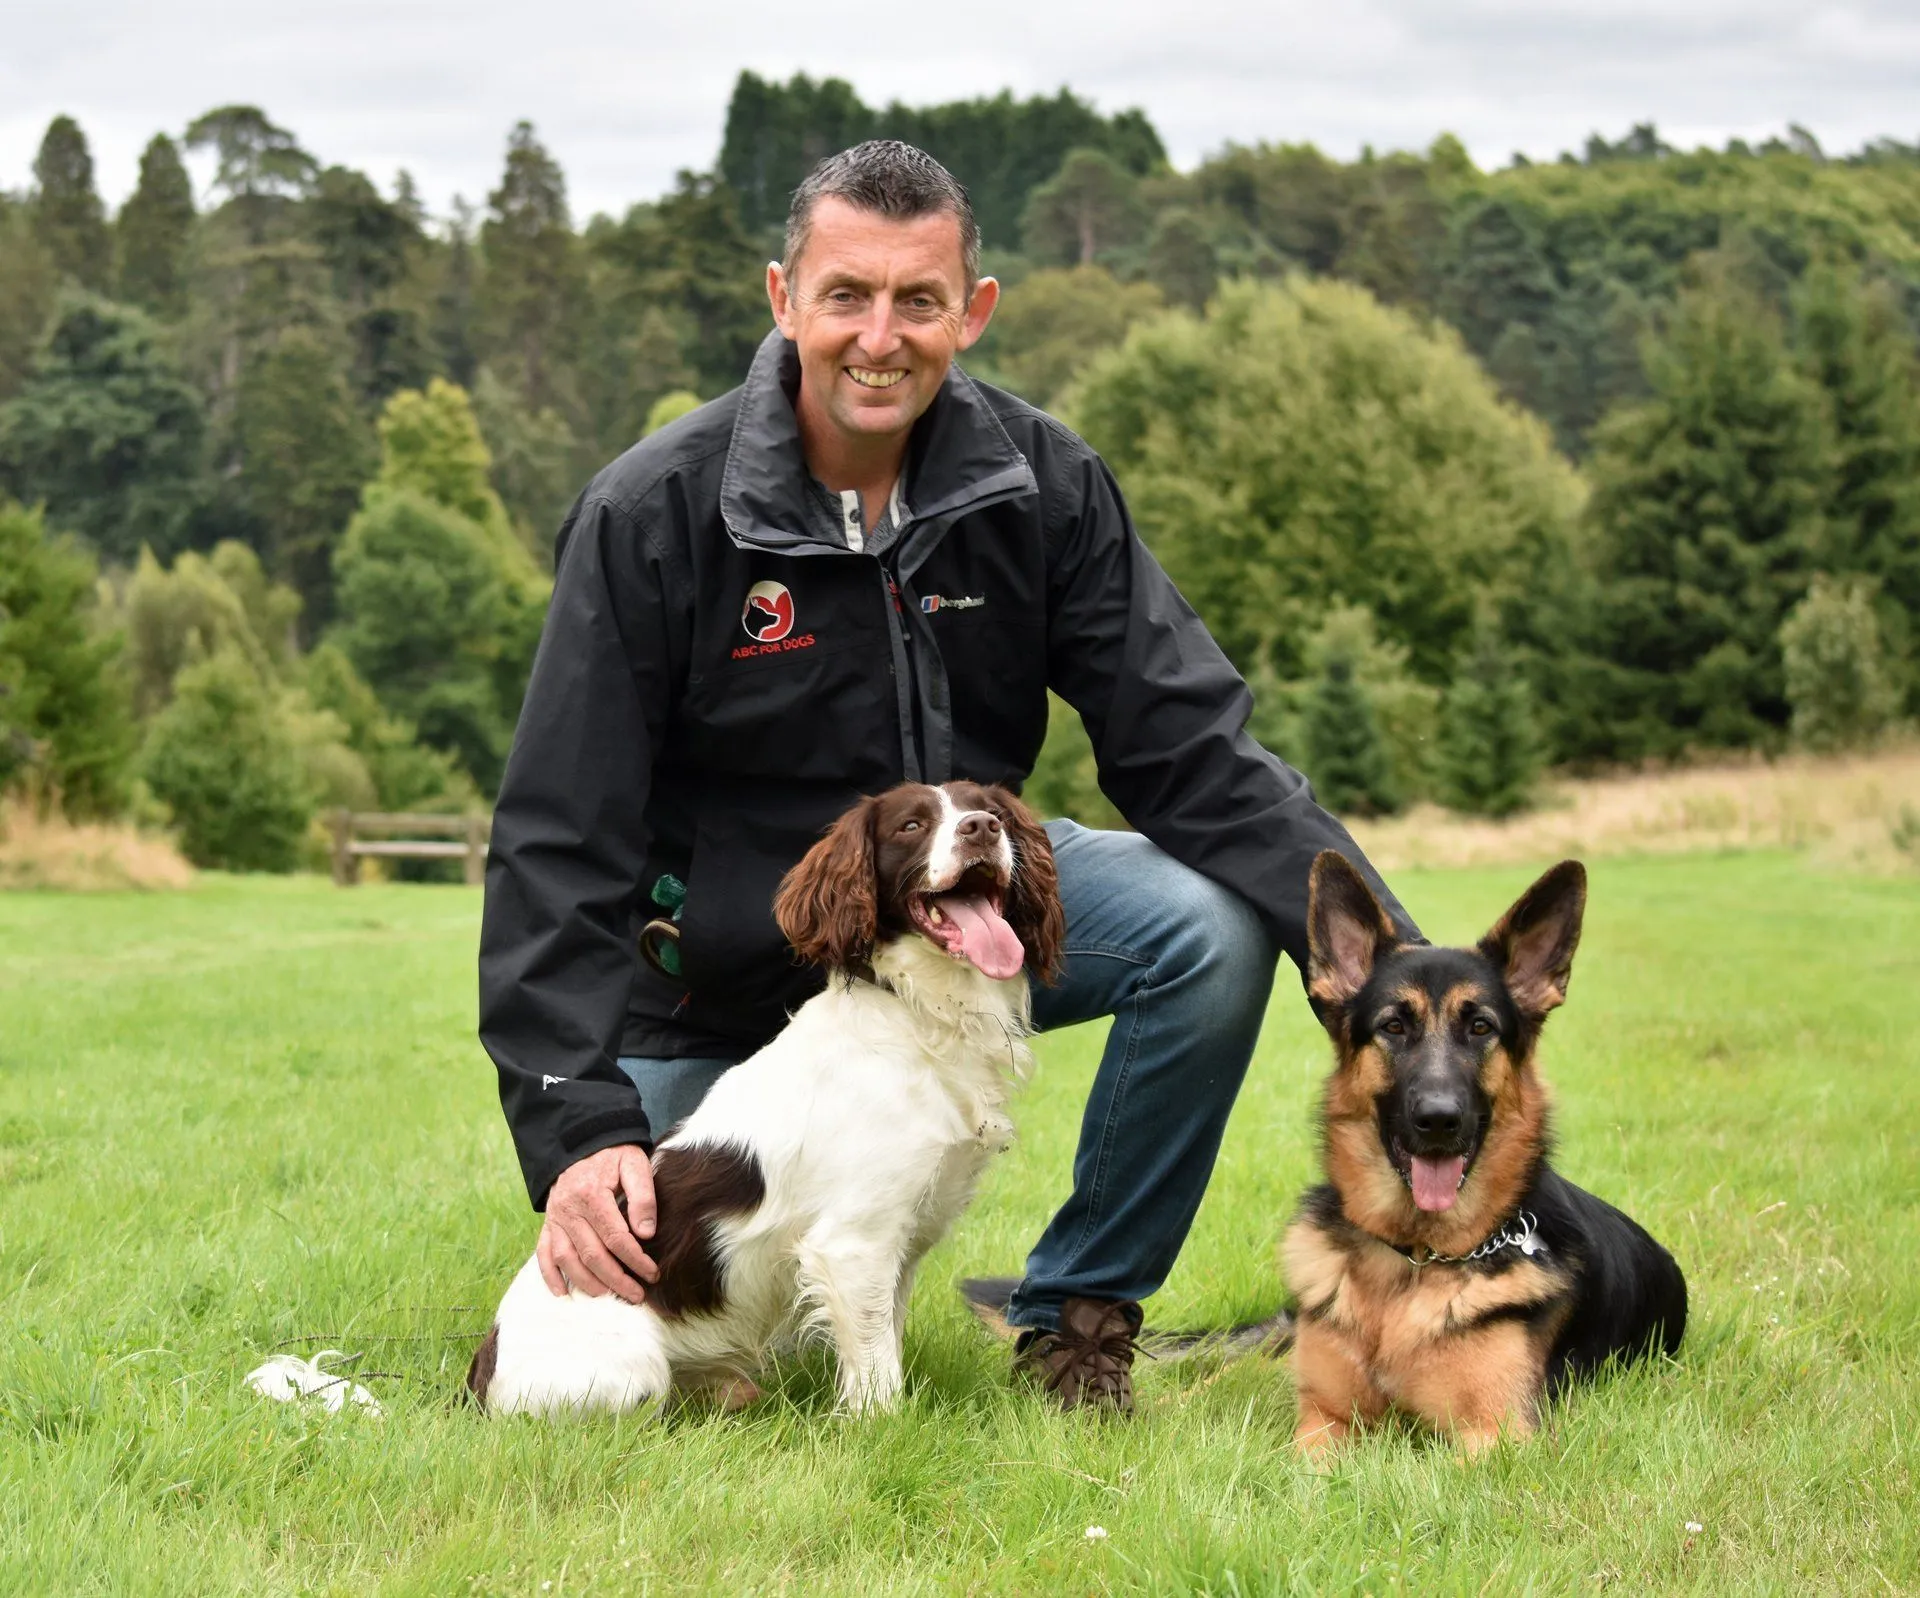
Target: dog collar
(1521, 1231)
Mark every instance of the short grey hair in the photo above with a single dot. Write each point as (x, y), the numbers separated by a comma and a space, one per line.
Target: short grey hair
(893, 179)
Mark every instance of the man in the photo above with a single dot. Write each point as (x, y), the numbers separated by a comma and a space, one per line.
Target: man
(857, 569)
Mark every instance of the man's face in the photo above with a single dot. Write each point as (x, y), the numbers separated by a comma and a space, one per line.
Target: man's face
(878, 308)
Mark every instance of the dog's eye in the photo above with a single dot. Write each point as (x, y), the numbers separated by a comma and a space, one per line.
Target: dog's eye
(1396, 1026)
(1481, 1027)
(909, 826)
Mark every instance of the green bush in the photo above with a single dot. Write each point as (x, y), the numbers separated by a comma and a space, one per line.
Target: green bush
(1302, 446)
(1490, 757)
(1065, 781)
(670, 407)
(1838, 682)
(228, 767)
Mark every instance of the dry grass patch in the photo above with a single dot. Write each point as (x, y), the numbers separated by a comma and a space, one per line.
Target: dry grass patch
(1861, 811)
(50, 852)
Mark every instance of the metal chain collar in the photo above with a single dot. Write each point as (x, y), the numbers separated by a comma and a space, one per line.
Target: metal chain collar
(1521, 1232)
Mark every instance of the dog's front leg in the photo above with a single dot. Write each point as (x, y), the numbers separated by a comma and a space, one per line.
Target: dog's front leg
(856, 1285)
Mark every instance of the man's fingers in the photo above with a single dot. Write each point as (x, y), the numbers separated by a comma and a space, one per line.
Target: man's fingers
(578, 1272)
(610, 1230)
(549, 1272)
(636, 1182)
(595, 1259)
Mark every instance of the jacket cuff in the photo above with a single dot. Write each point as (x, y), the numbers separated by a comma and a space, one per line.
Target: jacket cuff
(606, 1131)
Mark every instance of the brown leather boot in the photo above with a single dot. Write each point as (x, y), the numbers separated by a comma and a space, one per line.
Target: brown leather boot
(1088, 1362)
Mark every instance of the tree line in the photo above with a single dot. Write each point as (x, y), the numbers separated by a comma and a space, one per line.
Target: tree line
(1595, 460)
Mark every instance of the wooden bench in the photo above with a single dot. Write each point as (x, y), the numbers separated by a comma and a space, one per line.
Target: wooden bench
(462, 838)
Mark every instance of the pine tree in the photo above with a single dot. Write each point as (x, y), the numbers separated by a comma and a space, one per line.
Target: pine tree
(1852, 340)
(1342, 750)
(28, 287)
(305, 453)
(154, 231)
(1090, 205)
(1490, 755)
(68, 217)
(453, 300)
(106, 432)
(1707, 507)
(262, 166)
(532, 283)
(64, 722)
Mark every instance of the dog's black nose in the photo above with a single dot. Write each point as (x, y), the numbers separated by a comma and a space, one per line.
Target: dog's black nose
(1437, 1115)
(978, 827)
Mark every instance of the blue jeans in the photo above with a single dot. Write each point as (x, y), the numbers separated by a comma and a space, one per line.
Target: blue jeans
(1185, 968)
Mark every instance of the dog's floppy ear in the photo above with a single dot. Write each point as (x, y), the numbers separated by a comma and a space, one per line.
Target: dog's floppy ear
(1033, 897)
(1534, 941)
(1346, 929)
(828, 905)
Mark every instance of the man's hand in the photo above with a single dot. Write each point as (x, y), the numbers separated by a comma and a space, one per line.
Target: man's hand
(587, 1242)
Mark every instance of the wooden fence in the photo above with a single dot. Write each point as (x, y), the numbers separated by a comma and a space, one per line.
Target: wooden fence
(462, 838)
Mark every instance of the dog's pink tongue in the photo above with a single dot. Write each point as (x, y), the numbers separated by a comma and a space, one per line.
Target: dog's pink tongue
(1436, 1181)
(985, 937)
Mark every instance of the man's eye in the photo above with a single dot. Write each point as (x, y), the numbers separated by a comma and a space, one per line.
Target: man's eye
(1397, 1028)
(1481, 1027)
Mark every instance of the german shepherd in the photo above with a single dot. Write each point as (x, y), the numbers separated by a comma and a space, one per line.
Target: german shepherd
(1445, 1270)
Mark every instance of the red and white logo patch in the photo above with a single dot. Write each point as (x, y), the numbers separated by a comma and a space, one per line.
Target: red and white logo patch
(767, 615)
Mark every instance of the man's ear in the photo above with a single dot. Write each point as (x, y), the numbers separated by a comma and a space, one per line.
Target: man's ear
(985, 296)
(1534, 941)
(1346, 929)
(780, 297)
(828, 905)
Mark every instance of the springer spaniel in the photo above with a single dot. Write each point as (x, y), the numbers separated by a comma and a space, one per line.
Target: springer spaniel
(801, 1194)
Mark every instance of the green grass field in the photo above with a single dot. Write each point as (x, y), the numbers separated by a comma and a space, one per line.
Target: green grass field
(254, 1115)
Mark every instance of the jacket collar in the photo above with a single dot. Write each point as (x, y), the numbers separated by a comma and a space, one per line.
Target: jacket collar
(959, 458)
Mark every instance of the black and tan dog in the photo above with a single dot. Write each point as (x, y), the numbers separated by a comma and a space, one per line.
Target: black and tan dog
(1445, 1270)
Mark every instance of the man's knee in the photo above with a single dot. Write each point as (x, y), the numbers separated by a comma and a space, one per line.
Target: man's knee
(1200, 932)
(1216, 938)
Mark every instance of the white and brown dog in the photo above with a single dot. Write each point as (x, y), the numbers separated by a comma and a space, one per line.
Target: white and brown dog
(800, 1195)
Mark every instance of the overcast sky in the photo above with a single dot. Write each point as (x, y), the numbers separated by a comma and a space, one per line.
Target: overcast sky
(626, 94)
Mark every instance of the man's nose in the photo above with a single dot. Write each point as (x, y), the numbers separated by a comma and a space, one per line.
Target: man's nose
(880, 337)
(978, 826)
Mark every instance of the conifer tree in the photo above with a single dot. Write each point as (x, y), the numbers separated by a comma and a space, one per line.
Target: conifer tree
(106, 431)
(532, 281)
(1852, 340)
(154, 230)
(1489, 755)
(1090, 205)
(64, 722)
(1342, 750)
(68, 217)
(1708, 510)
(305, 451)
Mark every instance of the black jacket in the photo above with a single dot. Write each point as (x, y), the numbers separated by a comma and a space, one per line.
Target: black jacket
(717, 682)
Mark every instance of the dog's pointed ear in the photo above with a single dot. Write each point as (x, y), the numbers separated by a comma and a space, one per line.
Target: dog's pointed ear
(1033, 897)
(828, 906)
(1534, 941)
(1346, 929)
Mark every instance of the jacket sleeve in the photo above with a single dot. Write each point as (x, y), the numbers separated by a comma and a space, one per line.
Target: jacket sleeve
(1167, 715)
(569, 848)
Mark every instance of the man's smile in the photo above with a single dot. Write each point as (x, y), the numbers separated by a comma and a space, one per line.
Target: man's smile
(873, 377)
